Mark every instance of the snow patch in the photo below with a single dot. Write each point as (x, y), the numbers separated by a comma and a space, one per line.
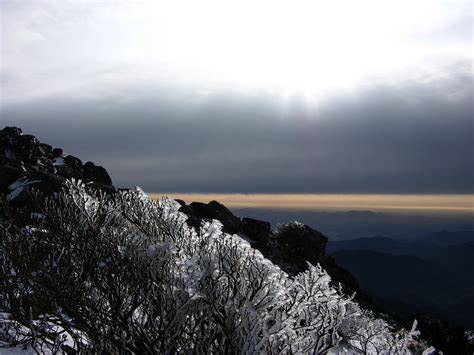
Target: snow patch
(18, 186)
(430, 351)
(142, 194)
(58, 161)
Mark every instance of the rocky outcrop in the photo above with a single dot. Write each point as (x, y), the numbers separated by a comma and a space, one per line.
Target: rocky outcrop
(293, 244)
(443, 336)
(213, 210)
(260, 231)
(290, 247)
(25, 162)
(96, 173)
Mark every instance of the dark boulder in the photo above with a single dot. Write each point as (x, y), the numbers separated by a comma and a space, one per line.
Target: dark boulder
(181, 202)
(72, 168)
(96, 173)
(12, 145)
(73, 162)
(186, 209)
(11, 132)
(44, 164)
(42, 158)
(302, 243)
(215, 210)
(44, 151)
(57, 152)
(27, 164)
(26, 144)
(259, 231)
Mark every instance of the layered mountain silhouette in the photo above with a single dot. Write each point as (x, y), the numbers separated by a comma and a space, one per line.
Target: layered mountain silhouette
(437, 268)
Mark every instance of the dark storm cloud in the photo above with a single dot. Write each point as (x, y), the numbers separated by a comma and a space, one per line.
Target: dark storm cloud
(411, 137)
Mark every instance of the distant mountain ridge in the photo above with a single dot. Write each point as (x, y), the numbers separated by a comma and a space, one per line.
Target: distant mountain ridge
(343, 225)
(447, 255)
(402, 246)
(450, 237)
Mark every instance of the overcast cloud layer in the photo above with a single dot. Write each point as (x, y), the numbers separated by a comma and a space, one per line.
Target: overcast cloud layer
(84, 91)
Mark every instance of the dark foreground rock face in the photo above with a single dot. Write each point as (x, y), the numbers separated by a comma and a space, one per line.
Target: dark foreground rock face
(27, 163)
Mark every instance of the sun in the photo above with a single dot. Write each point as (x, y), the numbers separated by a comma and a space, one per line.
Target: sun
(308, 49)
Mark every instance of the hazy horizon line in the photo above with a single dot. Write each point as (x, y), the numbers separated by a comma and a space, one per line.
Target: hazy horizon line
(448, 203)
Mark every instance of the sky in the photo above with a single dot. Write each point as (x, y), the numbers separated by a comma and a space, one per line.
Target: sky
(352, 97)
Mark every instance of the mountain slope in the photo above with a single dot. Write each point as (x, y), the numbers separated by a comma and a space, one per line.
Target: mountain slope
(93, 243)
(123, 274)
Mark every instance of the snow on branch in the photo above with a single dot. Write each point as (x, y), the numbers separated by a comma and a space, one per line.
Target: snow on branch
(124, 273)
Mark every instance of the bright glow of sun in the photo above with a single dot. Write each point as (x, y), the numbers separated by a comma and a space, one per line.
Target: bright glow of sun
(295, 49)
(308, 48)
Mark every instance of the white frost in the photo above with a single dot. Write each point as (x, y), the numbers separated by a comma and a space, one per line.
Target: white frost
(18, 186)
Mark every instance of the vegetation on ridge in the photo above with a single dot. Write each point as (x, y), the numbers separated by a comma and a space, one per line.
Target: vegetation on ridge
(121, 273)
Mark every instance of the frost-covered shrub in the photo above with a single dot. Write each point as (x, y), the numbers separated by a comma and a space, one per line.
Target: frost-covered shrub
(125, 274)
